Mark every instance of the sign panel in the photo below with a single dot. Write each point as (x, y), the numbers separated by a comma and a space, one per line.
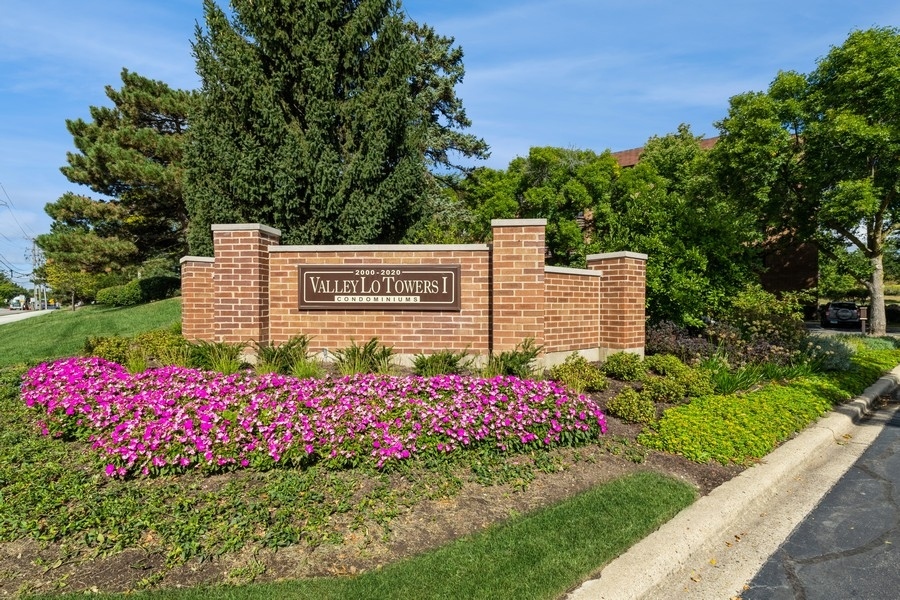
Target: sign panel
(383, 287)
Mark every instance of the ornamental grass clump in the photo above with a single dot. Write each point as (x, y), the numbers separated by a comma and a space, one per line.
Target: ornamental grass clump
(171, 419)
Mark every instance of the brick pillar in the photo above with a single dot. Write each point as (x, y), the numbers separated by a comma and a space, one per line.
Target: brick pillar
(241, 281)
(622, 301)
(197, 310)
(517, 282)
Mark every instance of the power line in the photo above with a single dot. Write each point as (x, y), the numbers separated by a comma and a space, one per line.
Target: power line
(8, 203)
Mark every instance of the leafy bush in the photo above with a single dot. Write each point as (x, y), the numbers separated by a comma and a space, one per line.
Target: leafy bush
(697, 382)
(281, 358)
(668, 338)
(112, 348)
(577, 374)
(664, 389)
(828, 353)
(158, 287)
(625, 366)
(159, 345)
(768, 324)
(517, 362)
(632, 407)
(443, 362)
(665, 364)
(120, 295)
(368, 358)
(139, 291)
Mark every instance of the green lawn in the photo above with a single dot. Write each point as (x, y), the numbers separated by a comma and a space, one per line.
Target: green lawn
(63, 332)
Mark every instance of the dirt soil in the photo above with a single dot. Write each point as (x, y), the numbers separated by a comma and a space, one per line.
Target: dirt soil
(30, 567)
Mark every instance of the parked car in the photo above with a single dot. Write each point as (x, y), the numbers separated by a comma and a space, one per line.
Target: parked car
(839, 313)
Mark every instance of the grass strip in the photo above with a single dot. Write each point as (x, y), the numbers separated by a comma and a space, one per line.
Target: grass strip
(540, 555)
(64, 332)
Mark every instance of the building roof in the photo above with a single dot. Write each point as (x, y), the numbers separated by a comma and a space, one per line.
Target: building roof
(629, 158)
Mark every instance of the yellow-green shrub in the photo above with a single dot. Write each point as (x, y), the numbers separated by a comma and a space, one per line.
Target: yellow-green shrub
(632, 407)
(577, 374)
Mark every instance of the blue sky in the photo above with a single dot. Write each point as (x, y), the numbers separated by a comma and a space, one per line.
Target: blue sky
(571, 73)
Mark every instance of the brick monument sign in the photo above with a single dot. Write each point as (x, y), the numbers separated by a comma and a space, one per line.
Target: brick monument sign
(419, 299)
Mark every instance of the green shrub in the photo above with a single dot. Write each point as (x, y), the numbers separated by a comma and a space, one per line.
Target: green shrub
(114, 348)
(625, 366)
(368, 358)
(120, 295)
(159, 344)
(577, 374)
(518, 362)
(137, 353)
(158, 287)
(664, 389)
(769, 327)
(443, 362)
(139, 291)
(665, 364)
(697, 382)
(632, 407)
(828, 353)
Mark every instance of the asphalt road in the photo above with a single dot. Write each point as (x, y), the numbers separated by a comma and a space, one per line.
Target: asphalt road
(9, 316)
(848, 546)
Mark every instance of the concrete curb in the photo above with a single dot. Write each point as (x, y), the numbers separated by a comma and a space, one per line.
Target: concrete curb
(665, 551)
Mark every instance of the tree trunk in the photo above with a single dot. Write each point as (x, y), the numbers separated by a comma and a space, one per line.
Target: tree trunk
(877, 316)
(73, 300)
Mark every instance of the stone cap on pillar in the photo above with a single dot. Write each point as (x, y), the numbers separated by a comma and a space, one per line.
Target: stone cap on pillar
(246, 227)
(518, 222)
(623, 254)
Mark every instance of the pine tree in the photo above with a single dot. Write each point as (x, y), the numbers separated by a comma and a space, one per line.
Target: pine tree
(307, 122)
(132, 153)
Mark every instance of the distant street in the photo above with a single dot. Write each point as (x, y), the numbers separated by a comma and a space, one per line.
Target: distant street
(10, 316)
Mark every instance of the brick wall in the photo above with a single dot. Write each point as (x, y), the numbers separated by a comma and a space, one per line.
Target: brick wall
(241, 281)
(517, 282)
(198, 315)
(622, 301)
(409, 332)
(249, 293)
(571, 312)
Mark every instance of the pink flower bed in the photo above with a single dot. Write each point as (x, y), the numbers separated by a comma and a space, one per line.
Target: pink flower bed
(174, 418)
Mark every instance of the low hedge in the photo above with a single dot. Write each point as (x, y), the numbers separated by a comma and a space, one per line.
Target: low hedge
(139, 291)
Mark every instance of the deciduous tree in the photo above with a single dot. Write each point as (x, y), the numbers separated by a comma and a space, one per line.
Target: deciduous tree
(819, 154)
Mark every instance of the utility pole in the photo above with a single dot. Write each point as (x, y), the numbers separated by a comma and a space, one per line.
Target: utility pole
(37, 261)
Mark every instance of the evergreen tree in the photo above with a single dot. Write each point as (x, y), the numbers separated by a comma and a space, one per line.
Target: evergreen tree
(132, 153)
(307, 122)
